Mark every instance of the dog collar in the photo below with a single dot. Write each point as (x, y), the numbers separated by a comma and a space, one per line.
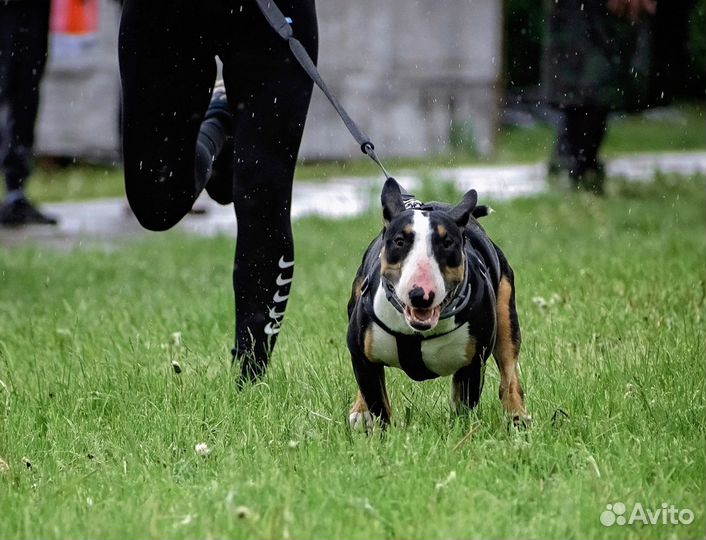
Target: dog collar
(459, 301)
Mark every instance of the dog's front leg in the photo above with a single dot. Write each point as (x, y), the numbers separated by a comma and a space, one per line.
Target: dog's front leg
(372, 402)
(467, 385)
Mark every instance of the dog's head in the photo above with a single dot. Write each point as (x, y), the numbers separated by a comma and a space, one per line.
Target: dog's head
(422, 260)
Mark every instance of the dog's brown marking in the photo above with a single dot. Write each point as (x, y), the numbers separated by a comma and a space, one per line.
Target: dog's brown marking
(441, 230)
(506, 352)
(359, 406)
(358, 287)
(390, 271)
(408, 229)
(453, 274)
(368, 344)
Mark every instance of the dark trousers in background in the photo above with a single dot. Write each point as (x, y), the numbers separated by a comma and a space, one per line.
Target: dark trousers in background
(24, 28)
(579, 137)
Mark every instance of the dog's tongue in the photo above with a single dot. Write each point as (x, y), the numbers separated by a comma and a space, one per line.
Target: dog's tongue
(421, 318)
(422, 315)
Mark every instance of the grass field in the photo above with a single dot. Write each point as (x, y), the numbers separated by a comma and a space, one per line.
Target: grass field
(98, 432)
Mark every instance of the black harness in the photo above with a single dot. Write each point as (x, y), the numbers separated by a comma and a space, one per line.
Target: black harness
(409, 346)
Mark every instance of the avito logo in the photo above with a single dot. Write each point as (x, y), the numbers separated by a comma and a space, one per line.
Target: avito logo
(667, 514)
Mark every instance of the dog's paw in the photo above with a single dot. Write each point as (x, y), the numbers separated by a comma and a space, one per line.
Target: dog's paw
(361, 420)
(522, 421)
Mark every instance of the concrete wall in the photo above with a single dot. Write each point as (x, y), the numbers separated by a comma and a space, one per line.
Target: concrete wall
(407, 71)
(80, 93)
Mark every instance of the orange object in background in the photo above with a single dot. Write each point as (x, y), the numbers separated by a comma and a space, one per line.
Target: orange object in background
(74, 17)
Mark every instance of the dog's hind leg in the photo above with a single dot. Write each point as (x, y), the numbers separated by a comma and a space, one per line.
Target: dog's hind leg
(507, 350)
(372, 402)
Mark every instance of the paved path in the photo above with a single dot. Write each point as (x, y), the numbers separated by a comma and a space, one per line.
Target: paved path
(106, 220)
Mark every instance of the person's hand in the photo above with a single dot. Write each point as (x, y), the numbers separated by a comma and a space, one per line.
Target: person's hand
(632, 9)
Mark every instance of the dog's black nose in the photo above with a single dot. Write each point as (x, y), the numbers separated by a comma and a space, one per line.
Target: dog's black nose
(416, 297)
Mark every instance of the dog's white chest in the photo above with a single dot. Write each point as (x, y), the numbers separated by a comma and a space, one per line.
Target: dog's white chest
(443, 355)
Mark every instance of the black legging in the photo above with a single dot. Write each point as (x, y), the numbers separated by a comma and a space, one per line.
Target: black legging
(167, 50)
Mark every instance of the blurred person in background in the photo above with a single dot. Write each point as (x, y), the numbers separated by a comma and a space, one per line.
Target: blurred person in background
(24, 29)
(596, 59)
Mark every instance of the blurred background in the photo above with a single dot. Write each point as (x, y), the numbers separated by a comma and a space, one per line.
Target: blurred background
(424, 79)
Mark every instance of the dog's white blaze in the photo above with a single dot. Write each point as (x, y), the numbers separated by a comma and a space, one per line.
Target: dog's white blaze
(421, 260)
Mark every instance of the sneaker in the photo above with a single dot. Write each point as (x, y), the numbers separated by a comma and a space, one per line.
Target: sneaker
(220, 186)
(23, 212)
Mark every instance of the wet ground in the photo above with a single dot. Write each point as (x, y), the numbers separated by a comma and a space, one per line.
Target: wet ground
(106, 221)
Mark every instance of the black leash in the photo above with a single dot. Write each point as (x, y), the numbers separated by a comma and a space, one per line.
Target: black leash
(282, 26)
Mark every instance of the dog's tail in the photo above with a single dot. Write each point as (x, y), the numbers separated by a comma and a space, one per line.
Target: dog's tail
(481, 211)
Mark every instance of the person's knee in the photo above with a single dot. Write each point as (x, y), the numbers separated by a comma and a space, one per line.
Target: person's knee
(154, 215)
(153, 221)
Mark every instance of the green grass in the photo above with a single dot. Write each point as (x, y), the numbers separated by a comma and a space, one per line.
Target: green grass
(611, 295)
(677, 129)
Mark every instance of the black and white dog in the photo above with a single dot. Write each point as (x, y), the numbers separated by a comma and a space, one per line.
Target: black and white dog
(433, 296)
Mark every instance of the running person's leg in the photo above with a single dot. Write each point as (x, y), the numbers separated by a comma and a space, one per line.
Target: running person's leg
(269, 95)
(167, 68)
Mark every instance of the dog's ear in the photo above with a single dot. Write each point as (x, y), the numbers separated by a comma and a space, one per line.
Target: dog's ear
(462, 211)
(391, 199)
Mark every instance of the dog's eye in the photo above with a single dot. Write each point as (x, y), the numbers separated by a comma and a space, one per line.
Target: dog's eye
(399, 241)
(448, 243)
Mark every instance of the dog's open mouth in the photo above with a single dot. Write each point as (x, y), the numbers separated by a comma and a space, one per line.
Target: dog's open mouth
(422, 318)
